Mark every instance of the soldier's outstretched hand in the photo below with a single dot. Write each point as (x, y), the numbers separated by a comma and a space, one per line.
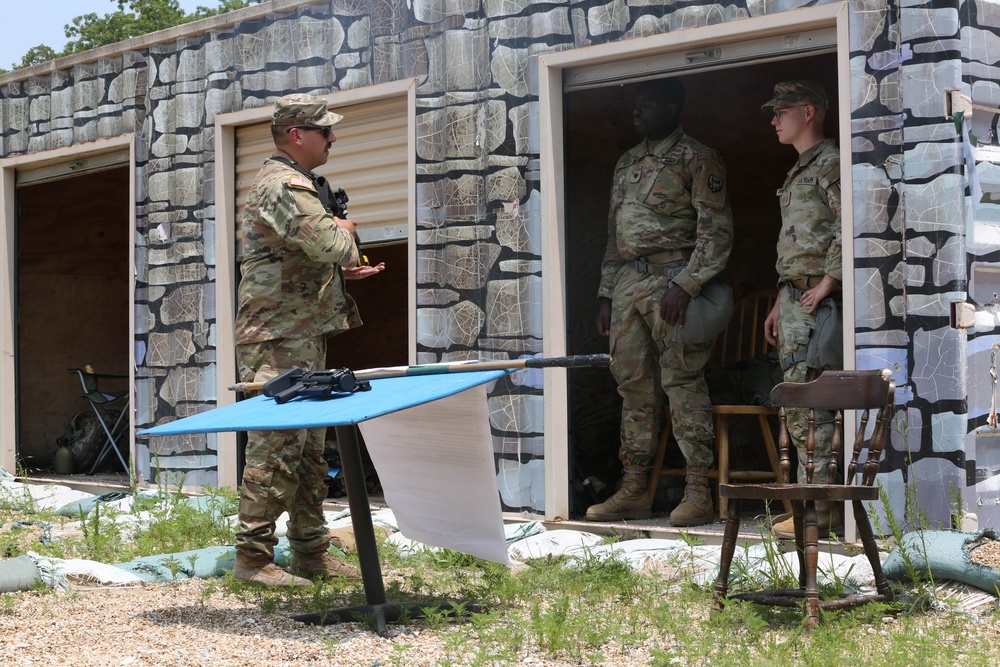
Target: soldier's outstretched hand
(361, 272)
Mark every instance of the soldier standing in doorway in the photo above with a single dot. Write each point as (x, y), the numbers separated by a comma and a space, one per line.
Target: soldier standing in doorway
(809, 272)
(670, 231)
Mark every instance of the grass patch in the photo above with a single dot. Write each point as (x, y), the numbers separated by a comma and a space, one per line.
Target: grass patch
(591, 611)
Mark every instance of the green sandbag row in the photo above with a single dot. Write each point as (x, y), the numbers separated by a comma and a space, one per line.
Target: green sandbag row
(216, 506)
(943, 554)
(198, 563)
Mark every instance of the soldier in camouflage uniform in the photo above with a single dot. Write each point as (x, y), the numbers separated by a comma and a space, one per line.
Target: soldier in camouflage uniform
(670, 231)
(296, 258)
(809, 264)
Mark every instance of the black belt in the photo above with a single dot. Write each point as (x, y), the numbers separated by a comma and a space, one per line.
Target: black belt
(661, 263)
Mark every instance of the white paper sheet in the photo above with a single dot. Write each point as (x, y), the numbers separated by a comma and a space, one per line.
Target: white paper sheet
(435, 464)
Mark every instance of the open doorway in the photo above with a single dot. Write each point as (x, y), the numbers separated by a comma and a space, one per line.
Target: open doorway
(723, 112)
(73, 303)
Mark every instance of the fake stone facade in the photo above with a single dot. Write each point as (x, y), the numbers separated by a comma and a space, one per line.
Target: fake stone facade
(478, 197)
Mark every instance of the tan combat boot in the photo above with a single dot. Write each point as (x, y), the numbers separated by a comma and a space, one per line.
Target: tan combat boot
(323, 565)
(264, 571)
(695, 508)
(629, 503)
(343, 538)
(828, 519)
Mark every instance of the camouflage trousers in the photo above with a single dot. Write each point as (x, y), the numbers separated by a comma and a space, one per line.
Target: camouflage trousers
(285, 470)
(645, 375)
(794, 327)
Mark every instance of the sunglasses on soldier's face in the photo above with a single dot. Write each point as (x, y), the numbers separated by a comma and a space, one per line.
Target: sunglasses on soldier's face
(325, 130)
(780, 113)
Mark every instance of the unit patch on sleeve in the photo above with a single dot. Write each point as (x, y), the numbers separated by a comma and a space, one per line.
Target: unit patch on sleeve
(709, 186)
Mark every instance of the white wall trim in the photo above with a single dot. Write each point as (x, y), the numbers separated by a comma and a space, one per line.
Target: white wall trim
(846, 225)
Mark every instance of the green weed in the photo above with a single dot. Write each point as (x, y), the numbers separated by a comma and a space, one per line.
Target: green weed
(8, 603)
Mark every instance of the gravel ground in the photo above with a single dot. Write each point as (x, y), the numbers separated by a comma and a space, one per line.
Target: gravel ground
(171, 625)
(985, 552)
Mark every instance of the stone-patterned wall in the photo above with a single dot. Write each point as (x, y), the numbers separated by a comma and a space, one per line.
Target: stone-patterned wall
(911, 227)
(478, 213)
(980, 36)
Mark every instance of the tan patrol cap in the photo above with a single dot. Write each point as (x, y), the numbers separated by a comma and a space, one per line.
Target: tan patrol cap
(797, 92)
(300, 109)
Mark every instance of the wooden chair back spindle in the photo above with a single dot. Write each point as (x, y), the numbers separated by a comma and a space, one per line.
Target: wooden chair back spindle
(875, 446)
(836, 445)
(811, 447)
(783, 442)
(859, 441)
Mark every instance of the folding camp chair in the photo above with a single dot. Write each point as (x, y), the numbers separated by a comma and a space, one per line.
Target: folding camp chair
(111, 409)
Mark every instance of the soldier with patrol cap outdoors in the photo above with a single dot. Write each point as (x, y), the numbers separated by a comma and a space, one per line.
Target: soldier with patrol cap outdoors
(670, 232)
(297, 256)
(805, 322)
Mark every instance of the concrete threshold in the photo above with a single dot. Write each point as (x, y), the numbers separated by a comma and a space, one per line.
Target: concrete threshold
(97, 484)
(658, 527)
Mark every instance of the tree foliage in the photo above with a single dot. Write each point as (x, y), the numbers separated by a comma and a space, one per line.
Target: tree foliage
(35, 55)
(132, 19)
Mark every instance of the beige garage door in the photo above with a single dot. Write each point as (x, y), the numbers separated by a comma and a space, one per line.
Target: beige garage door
(368, 161)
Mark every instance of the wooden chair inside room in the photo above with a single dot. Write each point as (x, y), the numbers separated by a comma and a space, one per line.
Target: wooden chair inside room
(742, 340)
(870, 393)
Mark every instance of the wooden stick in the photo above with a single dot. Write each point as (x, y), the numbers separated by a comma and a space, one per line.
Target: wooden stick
(576, 361)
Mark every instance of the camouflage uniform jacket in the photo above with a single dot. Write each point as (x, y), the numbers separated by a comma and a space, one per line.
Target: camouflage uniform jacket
(292, 286)
(810, 240)
(669, 195)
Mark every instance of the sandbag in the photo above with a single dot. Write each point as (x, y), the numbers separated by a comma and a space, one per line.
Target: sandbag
(86, 505)
(943, 554)
(79, 574)
(18, 574)
(198, 563)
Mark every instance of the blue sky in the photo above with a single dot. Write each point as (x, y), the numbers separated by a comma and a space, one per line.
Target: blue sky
(28, 23)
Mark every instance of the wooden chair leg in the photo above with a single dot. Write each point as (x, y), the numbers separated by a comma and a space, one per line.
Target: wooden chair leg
(661, 452)
(810, 561)
(772, 453)
(871, 549)
(798, 508)
(722, 456)
(726, 555)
